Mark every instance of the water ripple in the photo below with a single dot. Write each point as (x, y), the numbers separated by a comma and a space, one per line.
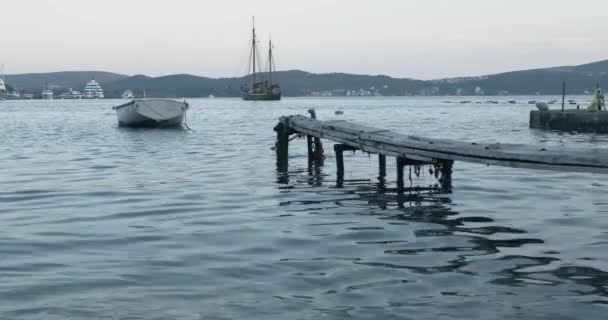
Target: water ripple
(106, 222)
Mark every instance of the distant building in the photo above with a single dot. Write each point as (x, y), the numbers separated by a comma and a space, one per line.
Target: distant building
(430, 91)
(479, 91)
(338, 92)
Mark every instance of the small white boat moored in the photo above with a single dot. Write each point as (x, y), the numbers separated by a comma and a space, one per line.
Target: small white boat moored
(151, 113)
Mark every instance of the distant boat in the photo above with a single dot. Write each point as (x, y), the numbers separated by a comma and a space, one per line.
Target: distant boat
(211, 96)
(261, 90)
(93, 90)
(71, 94)
(128, 94)
(3, 89)
(151, 113)
(542, 106)
(47, 94)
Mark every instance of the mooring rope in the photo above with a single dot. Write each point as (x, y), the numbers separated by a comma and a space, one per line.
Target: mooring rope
(186, 119)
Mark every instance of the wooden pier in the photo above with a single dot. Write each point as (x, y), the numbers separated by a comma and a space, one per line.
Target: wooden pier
(416, 151)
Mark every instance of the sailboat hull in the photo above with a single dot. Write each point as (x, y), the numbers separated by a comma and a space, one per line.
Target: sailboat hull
(260, 96)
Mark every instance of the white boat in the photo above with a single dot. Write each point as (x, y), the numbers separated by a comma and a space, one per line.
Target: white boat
(93, 90)
(2, 89)
(71, 94)
(151, 113)
(47, 94)
(128, 94)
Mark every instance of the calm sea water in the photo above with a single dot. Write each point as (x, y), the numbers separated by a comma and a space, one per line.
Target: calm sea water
(101, 222)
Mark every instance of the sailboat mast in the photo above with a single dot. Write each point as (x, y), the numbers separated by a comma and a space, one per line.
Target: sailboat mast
(270, 62)
(253, 55)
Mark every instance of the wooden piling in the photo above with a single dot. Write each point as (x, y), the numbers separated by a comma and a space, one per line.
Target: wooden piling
(339, 150)
(318, 146)
(400, 165)
(381, 167)
(339, 160)
(446, 174)
(309, 148)
(282, 146)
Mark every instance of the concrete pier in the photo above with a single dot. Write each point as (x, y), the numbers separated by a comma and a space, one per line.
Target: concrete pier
(569, 120)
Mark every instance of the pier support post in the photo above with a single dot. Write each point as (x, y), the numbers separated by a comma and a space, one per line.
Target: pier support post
(381, 167)
(339, 149)
(319, 151)
(339, 160)
(400, 165)
(318, 146)
(309, 148)
(282, 146)
(446, 175)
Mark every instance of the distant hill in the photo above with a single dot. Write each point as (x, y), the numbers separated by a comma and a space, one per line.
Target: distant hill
(175, 86)
(544, 81)
(293, 83)
(35, 82)
(300, 83)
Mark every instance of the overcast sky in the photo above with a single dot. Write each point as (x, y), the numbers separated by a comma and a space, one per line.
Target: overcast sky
(423, 39)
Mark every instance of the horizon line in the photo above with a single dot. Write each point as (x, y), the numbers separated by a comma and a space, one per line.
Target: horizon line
(301, 70)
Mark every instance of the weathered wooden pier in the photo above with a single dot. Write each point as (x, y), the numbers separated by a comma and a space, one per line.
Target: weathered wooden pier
(417, 151)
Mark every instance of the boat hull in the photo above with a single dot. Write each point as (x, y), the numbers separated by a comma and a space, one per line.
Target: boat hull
(151, 113)
(261, 96)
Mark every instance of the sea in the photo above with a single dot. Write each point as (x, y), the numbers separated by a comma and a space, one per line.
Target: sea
(103, 222)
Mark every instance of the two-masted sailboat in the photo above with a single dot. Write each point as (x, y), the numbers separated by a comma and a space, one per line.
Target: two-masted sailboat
(265, 89)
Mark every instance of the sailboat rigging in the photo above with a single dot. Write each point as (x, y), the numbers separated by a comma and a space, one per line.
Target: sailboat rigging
(260, 90)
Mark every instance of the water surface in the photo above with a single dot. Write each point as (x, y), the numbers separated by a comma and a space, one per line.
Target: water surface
(102, 222)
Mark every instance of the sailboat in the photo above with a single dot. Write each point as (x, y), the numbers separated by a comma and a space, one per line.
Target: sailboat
(260, 90)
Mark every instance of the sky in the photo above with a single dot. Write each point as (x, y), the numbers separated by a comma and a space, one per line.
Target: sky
(422, 39)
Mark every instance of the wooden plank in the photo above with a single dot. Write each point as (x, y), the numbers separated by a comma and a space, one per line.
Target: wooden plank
(374, 140)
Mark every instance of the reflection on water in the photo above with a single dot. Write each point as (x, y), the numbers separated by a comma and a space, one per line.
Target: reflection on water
(98, 221)
(440, 242)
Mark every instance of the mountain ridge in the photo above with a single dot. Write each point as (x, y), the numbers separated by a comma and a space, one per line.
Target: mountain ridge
(580, 78)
